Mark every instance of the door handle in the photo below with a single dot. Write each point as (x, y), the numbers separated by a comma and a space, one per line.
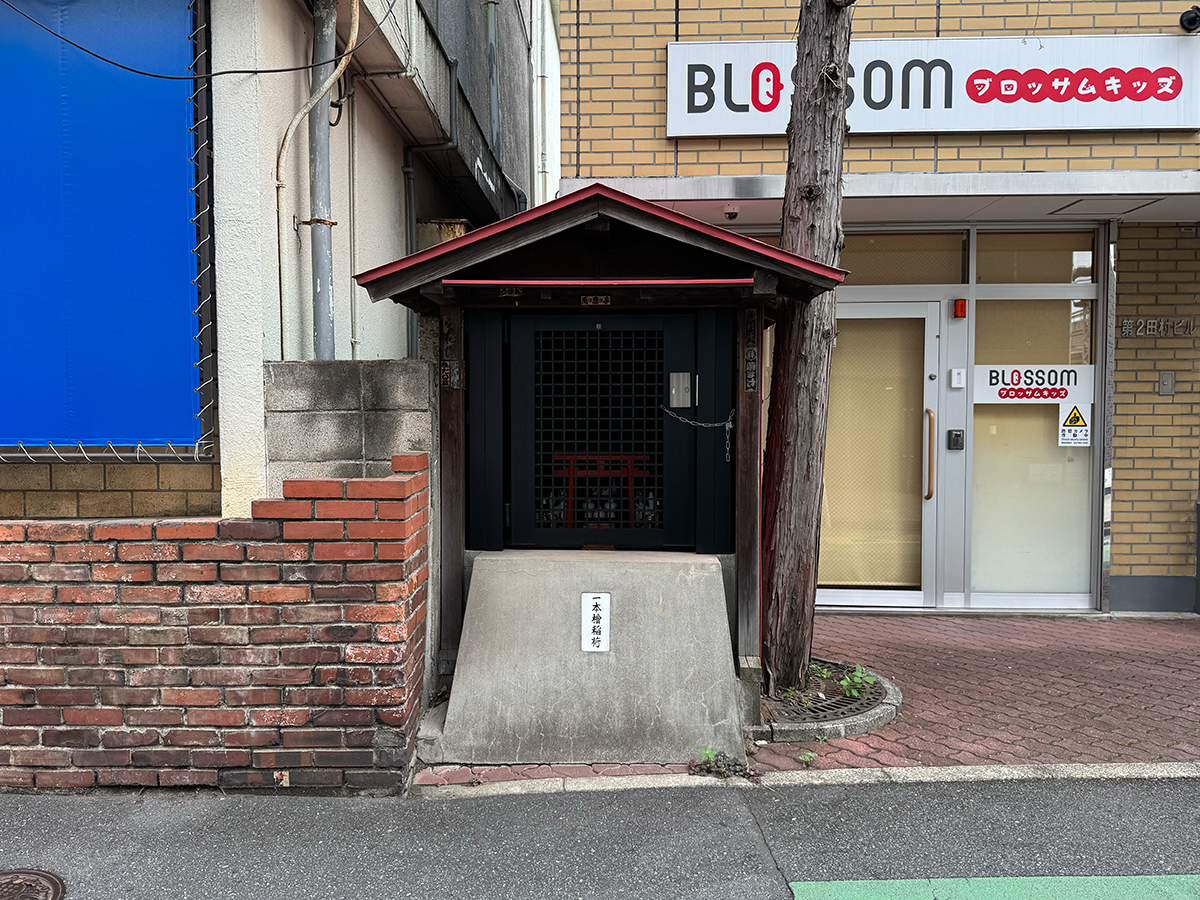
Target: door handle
(932, 452)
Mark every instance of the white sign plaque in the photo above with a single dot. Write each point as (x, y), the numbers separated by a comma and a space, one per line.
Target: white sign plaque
(594, 636)
(906, 85)
(1034, 384)
(1075, 428)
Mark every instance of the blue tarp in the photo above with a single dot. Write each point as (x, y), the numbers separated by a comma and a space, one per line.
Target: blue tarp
(97, 305)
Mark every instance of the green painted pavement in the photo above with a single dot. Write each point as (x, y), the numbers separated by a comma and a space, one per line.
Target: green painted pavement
(1092, 887)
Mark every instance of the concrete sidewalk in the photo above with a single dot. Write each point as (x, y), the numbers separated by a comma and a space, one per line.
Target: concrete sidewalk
(987, 690)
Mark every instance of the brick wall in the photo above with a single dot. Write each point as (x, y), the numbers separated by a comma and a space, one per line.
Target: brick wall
(284, 649)
(614, 89)
(1156, 438)
(93, 490)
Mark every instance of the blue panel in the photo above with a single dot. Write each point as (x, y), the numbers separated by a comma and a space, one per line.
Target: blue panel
(97, 306)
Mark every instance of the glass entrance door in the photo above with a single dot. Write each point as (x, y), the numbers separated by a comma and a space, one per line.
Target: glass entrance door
(878, 521)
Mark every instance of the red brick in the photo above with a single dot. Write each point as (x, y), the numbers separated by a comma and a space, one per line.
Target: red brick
(401, 551)
(281, 509)
(279, 593)
(379, 489)
(220, 634)
(155, 595)
(314, 572)
(32, 716)
(132, 530)
(12, 533)
(149, 636)
(129, 696)
(220, 759)
(25, 553)
(252, 697)
(160, 756)
(86, 758)
(249, 656)
(219, 594)
(251, 615)
(278, 552)
(187, 572)
(191, 697)
(60, 696)
(20, 656)
(412, 511)
(262, 738)
(346, 593)
(312, 738)
(89, 594)
(286, 718)
(130, 615)
(220, 676)
(248, 530)
(57, 531)
(234, 572)
(156, 676)
(36, 634)
(71, 737)
(16, 778)
(343, 551)
(93, 716)
(343, 758)
(65, 615)
(345, 509)
(64, 779)
(129, 656)
(51, 572)
(29, 593)
(313, 531)
(186, 530)
(308, 615)
(382, 612)
(375, 696)
(148, 552)
(121, 739)
(18, 737)
(314, 488)
(223, 552)
(338, 718)
(192, 737)
(280, 634)
(410, 462)
(13, 572)
(375, 655)
(280, 675)
(13, 697)
(315, 696)
(217, 718)
(155, 717)
(185, 778)
(379, 531)
(343, 633)
(54, 758)
(38, 675)
(127, 778)
(74, 553)
(392, 634)
(374, 572)
(282, 759)
(123, 572)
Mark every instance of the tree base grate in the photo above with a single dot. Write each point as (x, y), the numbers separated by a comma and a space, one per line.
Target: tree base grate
(823, 700)
(31, 884)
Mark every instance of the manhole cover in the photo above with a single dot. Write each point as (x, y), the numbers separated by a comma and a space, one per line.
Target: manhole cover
(823, 700)
(31, 884)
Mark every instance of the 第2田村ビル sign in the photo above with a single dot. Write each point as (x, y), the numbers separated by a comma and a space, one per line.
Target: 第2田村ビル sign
(896, 86)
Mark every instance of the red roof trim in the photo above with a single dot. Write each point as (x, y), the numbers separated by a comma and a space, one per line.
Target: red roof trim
(603, 190)
(609, 282)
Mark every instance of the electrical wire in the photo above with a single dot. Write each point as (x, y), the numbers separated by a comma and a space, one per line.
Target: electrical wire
(200, 76)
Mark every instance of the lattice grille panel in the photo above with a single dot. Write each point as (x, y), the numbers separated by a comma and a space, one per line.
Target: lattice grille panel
(598, 429)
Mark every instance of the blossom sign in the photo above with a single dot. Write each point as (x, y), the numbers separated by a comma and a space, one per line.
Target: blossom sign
(898, 86)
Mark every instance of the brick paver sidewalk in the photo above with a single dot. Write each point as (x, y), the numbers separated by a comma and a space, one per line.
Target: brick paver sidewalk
(1016, 690)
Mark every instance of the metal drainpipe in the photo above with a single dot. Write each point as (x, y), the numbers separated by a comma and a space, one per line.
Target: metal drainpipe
(410, 188)
(321, 207)
(493, 74)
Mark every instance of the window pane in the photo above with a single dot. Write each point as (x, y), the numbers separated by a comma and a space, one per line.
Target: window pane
(904, 258)
(1033, 332)
(1047, 257)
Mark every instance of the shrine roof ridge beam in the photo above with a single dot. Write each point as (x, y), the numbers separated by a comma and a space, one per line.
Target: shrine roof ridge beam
(593, 282)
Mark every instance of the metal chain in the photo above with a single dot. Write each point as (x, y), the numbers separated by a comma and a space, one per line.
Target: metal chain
(727, 425)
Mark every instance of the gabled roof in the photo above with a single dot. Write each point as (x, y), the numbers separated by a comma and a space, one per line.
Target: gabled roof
(409, 274)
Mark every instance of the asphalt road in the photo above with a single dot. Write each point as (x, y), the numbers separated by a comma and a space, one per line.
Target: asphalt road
(661, 843)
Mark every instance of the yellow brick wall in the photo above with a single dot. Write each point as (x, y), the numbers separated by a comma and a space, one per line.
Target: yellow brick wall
(106, 490)
(614, 62)
(1156, 438)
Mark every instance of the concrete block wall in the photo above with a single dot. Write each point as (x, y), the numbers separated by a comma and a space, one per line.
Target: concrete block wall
(282, 650)
(65, 490)
(344, 418)
(1156, 439)
(614, 89)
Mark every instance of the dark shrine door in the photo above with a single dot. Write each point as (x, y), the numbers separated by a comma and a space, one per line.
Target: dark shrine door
(596, 460)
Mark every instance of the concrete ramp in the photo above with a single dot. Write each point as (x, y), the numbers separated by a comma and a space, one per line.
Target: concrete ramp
(526, 692)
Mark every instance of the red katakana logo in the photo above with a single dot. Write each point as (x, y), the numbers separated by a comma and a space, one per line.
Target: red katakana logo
(1085, 85)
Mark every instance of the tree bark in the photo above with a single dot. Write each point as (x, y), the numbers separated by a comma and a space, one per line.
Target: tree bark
(793, 469)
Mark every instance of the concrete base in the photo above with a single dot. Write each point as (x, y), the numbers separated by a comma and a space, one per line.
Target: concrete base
(525, 691)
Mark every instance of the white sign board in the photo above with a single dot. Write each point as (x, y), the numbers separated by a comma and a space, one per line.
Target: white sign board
(898, 86)
(594, 635)
(1064, 385)
(1075, 430)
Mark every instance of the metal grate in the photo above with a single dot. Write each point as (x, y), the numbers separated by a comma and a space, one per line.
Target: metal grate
(598, 429)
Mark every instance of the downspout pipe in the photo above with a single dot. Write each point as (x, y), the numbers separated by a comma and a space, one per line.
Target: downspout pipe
(410, 189)
(320, 205)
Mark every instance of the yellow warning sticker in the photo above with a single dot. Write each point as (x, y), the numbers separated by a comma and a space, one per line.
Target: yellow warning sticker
(1074, 419)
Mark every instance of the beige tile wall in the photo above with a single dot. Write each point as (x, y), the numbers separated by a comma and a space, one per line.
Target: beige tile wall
(106, 490)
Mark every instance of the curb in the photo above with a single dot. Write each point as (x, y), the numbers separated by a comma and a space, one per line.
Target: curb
(824, 777)
(802, 732)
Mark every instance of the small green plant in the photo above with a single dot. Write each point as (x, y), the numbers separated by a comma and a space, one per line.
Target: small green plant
(818, 670)
(708, 755)
(720, 764)
(855, 683)
(806, 759)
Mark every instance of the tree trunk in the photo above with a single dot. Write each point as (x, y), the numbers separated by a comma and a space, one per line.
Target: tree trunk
(793, 471)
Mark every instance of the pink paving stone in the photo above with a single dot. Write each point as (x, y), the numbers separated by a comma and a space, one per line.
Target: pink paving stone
(537, 772)
(613, 769)
(648, 769)
(573, 771)
(676, 768)
(458, 775)
(492, 774)
(428, 777)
